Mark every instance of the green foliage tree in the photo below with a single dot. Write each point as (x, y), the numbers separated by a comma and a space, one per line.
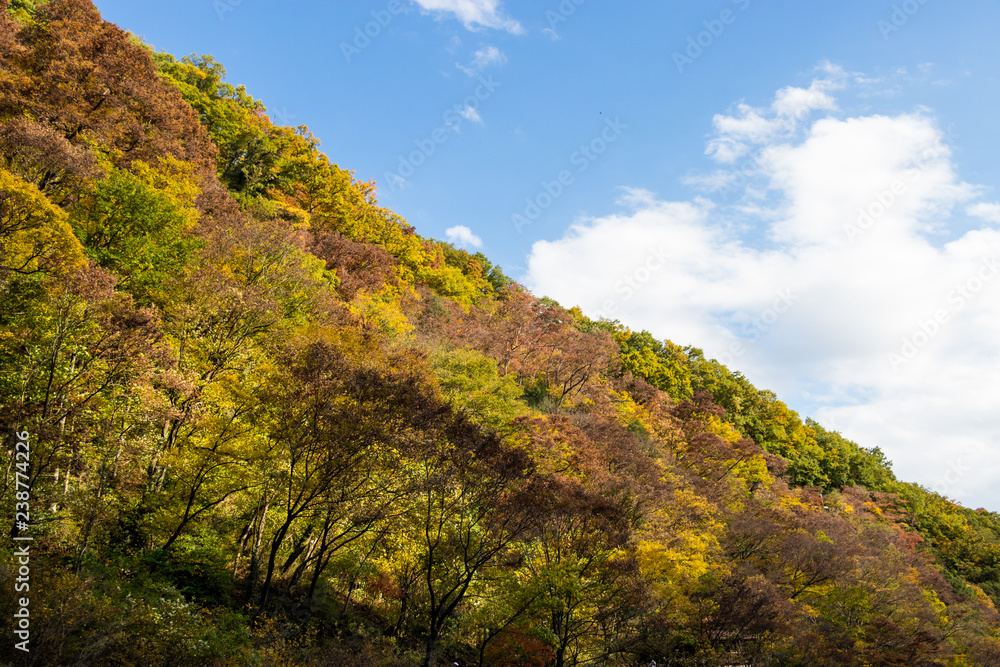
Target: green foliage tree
(663, 365)
(470, 380)
(139, 231)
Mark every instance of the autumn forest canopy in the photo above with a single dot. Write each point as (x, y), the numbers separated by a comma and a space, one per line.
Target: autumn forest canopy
(271, 424)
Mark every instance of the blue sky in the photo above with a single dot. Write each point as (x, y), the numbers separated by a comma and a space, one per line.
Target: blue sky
(712, 193)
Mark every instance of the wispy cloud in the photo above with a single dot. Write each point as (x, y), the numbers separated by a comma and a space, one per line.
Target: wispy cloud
(475, 14)
(483, 58)
(717, 180)
(737, 133)
(988, 211)
(470, 114)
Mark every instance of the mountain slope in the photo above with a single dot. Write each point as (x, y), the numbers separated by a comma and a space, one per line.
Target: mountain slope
(269, 423)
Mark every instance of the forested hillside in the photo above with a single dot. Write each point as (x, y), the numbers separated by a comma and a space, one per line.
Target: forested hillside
(271, 424)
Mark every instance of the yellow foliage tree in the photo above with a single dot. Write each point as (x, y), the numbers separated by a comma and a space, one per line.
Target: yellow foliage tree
(35, 237)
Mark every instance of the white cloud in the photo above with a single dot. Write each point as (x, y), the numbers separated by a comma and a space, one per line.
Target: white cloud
(713, 182)
(737, 134)
(470, 114)
(475, 14)
(990, 212)
(796, 102)
(483, 58)
(462, 236)
(847, 262)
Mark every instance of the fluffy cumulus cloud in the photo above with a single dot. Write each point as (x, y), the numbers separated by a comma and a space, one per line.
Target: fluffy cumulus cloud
(462, 236)
(738, 133)
(475, 14)
(827, 270)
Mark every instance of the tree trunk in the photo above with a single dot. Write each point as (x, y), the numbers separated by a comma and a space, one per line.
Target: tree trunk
(430, 659)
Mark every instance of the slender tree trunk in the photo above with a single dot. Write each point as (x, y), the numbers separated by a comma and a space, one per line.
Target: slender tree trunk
(273, 556)
(187, 515)
(430, 658)
(255, 550)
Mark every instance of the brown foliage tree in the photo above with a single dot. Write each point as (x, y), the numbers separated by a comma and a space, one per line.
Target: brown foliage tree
(709, 455)
(471, 505)
(539, 341)
(84, 77)
(359, 265)
(42, 156)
